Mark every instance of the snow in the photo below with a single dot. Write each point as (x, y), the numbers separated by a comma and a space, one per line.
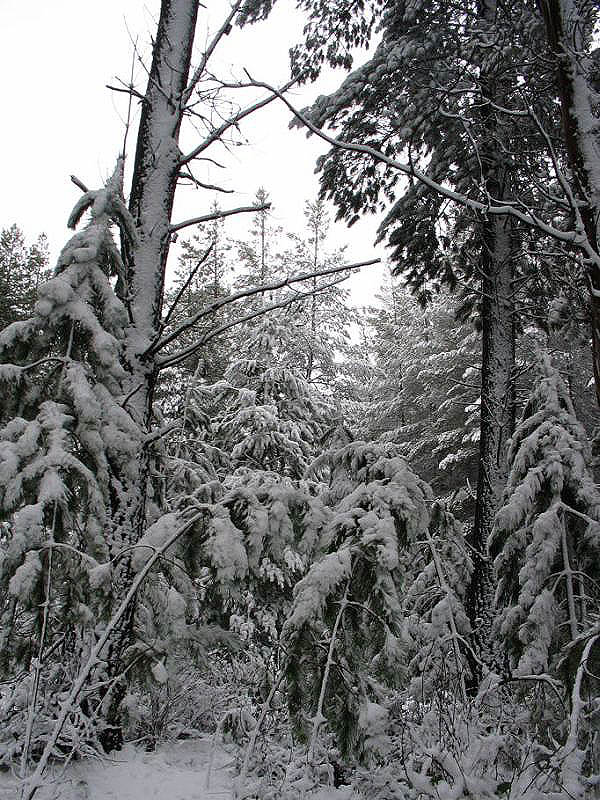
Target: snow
(175, 771)
(192, 769)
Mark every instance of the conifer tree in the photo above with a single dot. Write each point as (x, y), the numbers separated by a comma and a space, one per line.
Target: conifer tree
(321, 321)
(344, 635)
(546, 540)
(69, 446)
(258, 252)
(22, 269)
(269, 417)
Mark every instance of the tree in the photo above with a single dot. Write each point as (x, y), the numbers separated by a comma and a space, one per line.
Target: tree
(267, 415)
(426, 393)
(68, 449)
(22, 269)
(546, 538)
(322, 320)
(388, 107)
(83, 375)
(343, 634)
(258, 255)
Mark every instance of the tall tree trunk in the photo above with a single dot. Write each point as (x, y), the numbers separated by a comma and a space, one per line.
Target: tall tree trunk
(152, 194)
(566, 31)
(497, 419)
(497, 361)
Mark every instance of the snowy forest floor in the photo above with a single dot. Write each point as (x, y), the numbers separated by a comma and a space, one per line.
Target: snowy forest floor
(184, 770)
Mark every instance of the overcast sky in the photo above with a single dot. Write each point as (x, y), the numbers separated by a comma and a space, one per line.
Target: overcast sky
(59, 119)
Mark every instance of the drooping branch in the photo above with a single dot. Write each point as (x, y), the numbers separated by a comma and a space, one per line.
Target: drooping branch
(218, 215)
(32, 785)
(524, 215)
(232, 298)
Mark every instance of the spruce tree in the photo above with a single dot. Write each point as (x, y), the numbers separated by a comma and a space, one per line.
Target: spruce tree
(22, 269)
(344, 637)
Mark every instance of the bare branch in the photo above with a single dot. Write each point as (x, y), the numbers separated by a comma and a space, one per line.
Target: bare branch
(223, 31)
(126, 90)
(232, 298)
(189, 279)
(177, 358)
(210, 186)
(80, 184)
(233, 121)
(218, 215)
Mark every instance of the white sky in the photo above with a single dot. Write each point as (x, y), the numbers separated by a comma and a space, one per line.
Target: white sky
(56, 57)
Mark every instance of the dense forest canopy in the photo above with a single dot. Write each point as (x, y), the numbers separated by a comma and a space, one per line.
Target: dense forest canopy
(358, 540)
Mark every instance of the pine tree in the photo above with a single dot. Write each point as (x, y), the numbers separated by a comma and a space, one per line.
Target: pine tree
(22, 269)
(258, 252)
(321, 321)
(68, 454)
(546, 540)
(426, 392)
(268, 416)
(203, 276)
(435, 607)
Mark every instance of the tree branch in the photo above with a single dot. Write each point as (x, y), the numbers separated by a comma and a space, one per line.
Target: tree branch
(177, 358)
(232, 121)
(198, 72)
(217, 215)
(528, 217)
(232, 298)
(187, 282)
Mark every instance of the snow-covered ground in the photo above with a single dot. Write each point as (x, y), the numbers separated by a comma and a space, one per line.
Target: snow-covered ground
(186, 770)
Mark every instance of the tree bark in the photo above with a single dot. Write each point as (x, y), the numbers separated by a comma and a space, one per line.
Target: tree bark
(497, 361)
(496, 424)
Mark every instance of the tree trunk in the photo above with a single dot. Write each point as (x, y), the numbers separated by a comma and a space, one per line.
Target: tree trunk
(497, 420)
(152, 194)
(497, 360)
(566, 32)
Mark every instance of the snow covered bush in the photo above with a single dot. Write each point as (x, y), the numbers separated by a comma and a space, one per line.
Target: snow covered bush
(344, 637)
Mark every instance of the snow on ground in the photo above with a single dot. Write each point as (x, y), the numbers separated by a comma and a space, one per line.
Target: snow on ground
(186, 770)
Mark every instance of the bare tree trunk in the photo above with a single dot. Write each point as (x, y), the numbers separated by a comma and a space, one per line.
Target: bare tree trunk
(497, 420)
(153, 188)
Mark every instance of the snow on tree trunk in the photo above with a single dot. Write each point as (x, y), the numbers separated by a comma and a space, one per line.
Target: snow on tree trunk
(569, 30)
(151, 199)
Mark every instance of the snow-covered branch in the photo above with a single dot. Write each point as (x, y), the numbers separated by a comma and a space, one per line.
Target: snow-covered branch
(232, 298)
(34, 782)
(177, 358)
(218, 215)
(525, 215)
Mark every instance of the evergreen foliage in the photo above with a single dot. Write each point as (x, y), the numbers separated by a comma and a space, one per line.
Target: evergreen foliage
(343, 636)
(22, 269)
(546, 539)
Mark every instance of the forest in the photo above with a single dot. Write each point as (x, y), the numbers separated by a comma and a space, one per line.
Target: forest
(325, 548)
